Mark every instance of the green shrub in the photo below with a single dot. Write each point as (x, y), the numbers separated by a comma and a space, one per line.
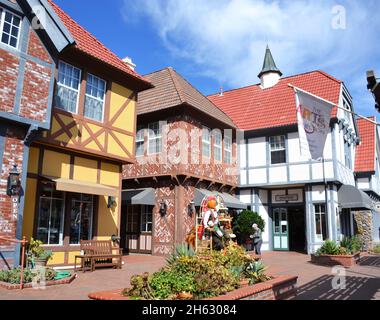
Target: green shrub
(329, 247)
(255, 272)
(352, 245)
(376, 248)
(244, 222)
(182, 250)
(13, 276)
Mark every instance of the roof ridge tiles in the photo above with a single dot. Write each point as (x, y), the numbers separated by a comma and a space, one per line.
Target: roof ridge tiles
(177, 86)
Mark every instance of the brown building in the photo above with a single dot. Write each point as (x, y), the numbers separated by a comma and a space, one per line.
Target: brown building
(185, 147)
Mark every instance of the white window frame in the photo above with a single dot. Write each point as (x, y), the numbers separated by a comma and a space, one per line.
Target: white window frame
(217, 146)
(95, 98)
(227, 150)
(140, 140)
(2, 27)
(207, 142)
(157, 138)
(69, 88)
(276, 149)
(92, 202)
(319, 237)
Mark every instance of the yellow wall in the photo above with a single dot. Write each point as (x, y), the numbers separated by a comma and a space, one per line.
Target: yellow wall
(58, 258)
(85, 170)
(110, 174)
(34, 154)
(30, 203)
(108, 219)
(56, 165)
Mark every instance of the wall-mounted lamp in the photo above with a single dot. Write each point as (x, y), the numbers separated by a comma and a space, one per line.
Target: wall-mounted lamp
(111, 202)
(13, 182)
(163, 208)
(191, 209)
(115, 238)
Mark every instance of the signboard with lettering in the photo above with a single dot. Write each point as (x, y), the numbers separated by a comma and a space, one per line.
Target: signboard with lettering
(287, 197)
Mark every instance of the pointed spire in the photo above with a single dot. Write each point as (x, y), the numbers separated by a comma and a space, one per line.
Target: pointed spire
(269, 64)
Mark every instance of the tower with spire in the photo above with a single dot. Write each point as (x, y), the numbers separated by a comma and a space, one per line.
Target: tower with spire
(270, 75)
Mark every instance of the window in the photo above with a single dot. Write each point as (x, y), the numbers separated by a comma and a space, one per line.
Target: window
(140, 140)
(10, 26)
(320, 222)
(227, 149)
(206, 142)
(218, 146)
(67, 95)
(50, 215)
(154, 138)
(95, 94)
(277, 149)
(146, 219)
(81, 218)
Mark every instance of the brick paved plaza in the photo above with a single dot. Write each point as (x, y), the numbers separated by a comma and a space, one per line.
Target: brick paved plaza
(363, 282)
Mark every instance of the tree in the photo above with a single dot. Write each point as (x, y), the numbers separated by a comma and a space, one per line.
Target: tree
(244, 222)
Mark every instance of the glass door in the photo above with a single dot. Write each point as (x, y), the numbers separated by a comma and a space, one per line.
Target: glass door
(280, 229)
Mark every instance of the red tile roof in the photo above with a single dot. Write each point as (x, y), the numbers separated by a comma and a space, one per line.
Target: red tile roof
(365, 152)
(90, 45)
(253, 108)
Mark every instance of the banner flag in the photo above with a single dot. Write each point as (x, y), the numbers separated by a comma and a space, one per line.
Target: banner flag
(313, 115)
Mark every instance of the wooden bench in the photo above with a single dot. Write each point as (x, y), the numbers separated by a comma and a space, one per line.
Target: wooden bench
(98, 254)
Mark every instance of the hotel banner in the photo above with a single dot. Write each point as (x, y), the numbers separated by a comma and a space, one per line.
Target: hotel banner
(313, 115)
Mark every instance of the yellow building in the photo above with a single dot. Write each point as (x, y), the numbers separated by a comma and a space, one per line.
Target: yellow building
(73, 188)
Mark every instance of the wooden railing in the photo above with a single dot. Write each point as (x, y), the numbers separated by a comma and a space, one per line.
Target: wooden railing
(23, 243)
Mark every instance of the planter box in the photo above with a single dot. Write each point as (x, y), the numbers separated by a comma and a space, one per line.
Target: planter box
(279, 288)
(346, 261)
(9, 286)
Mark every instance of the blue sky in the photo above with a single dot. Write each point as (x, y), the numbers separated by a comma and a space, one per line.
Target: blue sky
(222, 42)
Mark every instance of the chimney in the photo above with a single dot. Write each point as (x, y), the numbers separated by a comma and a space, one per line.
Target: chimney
(129, 63)
(221, 94)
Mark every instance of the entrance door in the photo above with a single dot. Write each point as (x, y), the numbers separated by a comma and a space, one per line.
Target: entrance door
(138, 229)
(280, 229)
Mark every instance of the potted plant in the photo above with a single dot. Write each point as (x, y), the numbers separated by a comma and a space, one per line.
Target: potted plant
(37, 255)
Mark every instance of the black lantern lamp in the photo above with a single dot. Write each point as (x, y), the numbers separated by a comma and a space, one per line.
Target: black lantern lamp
(191, 209)
(13, 182)
(111, 202)
(163, 208)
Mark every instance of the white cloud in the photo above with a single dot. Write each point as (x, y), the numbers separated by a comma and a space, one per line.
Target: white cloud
(226, 39)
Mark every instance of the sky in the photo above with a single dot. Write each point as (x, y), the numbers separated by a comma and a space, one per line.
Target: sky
(221, 43)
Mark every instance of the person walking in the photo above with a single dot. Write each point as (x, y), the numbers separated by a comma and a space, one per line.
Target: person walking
(257, 239)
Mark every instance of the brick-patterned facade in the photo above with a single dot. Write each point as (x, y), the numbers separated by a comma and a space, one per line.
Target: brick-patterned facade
(25, 93)
(175, 181)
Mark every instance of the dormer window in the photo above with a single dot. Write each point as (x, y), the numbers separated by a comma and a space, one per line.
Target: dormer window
(95, 97)
(68, 86)
(10, 25)
(154, 138)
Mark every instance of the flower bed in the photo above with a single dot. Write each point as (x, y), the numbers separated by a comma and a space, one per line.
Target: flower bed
(10, 279)
(188, 276)
(279, 288)
(346, 261)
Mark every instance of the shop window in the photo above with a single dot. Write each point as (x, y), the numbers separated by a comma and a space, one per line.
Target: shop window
(10, 26)
(146, 219)
(218, 145)
(154, 138)
(81, 218)
(320, 222)
(140, 142)
(227, 150)
(50, 215)
(277, 149)
(95, 97)
(67, 95)
(206, 142)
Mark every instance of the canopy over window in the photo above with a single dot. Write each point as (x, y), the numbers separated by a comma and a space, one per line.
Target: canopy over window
(350, 197)
(139, 197)
(76, 186)
(230, 202)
